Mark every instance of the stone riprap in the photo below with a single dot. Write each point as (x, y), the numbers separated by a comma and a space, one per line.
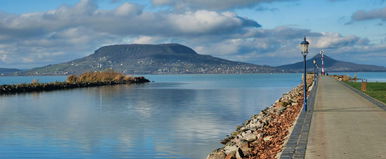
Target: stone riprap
(264, 135)
(39, 87)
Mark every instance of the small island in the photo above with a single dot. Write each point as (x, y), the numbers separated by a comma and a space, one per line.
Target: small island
(88, 79)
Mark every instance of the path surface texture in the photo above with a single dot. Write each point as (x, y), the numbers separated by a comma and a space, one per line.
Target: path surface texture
(345, 125)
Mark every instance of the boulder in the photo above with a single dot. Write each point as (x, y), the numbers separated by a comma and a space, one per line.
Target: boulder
(231, 156)
(267, 138)
(239, 154)
(249, 137)
(230, 149)
(216, 154)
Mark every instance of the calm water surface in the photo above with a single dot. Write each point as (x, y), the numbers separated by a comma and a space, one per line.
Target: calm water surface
(177, 116)
(29, 79)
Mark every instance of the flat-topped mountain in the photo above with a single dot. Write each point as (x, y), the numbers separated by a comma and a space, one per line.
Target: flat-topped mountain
(150, 59)
(331, 65)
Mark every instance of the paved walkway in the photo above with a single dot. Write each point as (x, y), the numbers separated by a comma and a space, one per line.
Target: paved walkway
(345, 125)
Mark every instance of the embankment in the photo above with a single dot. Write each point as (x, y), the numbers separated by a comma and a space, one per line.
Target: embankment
(84, 80)
(264, 135)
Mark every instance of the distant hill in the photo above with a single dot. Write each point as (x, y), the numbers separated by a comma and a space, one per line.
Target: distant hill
(332, 65)
(8, 70)
(150, 59)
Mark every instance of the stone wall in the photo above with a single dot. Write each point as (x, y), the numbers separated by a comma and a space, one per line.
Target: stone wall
(39, 87)
(264, 134)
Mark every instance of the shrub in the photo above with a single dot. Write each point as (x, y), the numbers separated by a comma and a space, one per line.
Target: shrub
(95, 77)
(35, 81)
(72, 79)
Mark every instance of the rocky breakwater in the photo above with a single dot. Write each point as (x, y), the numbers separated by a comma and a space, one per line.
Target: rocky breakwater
(91, 79)
(264, 135)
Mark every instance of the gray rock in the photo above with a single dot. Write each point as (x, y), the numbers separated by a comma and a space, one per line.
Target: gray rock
(217, 154)
(239, 154)
(267, 138)
(230, 149)
(250, 137)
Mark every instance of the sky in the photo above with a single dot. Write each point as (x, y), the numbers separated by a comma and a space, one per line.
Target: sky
(265, 32)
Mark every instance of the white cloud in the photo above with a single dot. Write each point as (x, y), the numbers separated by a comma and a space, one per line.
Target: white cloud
(280, 46)
(369, 15)
(78, 30)
(145, 40)
(162, 2)
(127, 9)
(204, 22)
(128, 19)
(70, 32)
(212, 4)
(3, 58)
(335, 40)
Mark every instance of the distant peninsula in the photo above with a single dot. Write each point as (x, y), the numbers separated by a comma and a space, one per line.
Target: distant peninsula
(331, 65)
(4, 71)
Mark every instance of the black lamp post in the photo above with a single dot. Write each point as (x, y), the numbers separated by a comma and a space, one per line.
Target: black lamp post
(314, 61)
(304, 50)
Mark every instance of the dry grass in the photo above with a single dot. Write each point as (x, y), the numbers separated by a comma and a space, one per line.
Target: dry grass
(94, 77)
(342, 77)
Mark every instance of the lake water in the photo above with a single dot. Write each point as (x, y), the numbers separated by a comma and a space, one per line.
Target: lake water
(29, 79)
(177, 116)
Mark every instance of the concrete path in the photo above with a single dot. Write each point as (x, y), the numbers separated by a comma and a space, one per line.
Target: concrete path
(345, 125)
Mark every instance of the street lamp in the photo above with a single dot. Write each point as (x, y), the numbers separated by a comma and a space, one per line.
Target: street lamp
(304, 50)
(314, 61)
(322, 53)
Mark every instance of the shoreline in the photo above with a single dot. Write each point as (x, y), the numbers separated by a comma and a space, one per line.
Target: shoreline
(8, 89)
(279, 72)
(265, 134)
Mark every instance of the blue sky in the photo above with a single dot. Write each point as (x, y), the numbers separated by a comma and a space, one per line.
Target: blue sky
(40, 32)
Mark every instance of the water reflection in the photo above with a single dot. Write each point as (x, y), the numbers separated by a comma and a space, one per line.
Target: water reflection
(156, 120)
